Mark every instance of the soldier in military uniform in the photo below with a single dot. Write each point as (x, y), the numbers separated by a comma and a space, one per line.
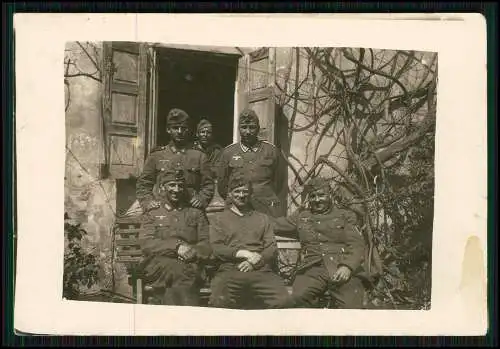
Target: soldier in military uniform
(332, 253)
(206, 144)
(243, 243)
(179, 152)
(178, 244)
(257, 160)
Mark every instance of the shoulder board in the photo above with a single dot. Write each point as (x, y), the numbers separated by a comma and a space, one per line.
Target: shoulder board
(231, 145)
(267, 142)
(158, 148)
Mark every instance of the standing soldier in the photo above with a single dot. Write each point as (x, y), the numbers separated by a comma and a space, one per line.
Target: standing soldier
(206, 144)
(179, 152)
(332, 250)
(257, 160)
(179, 244)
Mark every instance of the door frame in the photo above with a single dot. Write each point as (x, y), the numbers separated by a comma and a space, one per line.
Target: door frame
(152, 114)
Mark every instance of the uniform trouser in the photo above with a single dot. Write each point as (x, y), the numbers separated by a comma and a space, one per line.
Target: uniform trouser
(312, 283)
(254, 289)
(178, 283)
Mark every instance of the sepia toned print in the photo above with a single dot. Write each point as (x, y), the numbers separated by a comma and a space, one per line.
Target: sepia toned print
(306, 172)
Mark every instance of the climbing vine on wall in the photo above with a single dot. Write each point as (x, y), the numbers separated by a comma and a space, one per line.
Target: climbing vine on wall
(81, 268)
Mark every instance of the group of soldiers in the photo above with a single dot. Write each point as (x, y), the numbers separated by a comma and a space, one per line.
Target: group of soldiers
(240, 241)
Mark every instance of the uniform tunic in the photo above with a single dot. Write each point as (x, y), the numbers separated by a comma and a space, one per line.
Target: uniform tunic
(212, 152)
(166, 228)
(329, 240)
(197, 171)
(260, 166)
(230, 232)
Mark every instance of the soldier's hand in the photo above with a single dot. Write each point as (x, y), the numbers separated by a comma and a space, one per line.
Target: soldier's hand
(243, 254)
(153, 205)
(245, 266)
(195, 202)
(254, 258)
(342, 274)
(184, 251)
(190, 255)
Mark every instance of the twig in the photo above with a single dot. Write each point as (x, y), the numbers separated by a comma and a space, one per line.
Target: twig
(89, 56)
(82, 74)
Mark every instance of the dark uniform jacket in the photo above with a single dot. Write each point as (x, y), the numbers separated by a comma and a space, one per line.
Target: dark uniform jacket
(329, 239)
(260, 166)
(231, 231)
(212, 152)
(167, 227)
(199, 179)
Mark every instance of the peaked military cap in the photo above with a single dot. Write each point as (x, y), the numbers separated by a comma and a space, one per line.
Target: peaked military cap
(177, 117)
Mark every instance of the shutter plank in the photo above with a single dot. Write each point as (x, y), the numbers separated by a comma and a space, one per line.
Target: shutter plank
(260, 89)
(124, 107)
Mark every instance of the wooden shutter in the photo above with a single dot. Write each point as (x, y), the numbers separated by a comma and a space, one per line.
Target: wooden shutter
(152, 100)
(124, 108)
(255, 88)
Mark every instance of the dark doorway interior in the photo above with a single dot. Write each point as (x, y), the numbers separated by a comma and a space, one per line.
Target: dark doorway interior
(200, 83)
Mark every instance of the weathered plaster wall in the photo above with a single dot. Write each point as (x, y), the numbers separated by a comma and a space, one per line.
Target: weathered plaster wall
(89, 200)
(296, 88)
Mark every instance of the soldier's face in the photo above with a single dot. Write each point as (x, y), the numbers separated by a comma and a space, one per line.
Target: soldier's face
(205, 135)
(240, 196)
(178, 133)
(320, 200)
(249, 132)
(173, 190)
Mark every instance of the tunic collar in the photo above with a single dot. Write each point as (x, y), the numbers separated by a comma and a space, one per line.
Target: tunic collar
(237, 212)
(174, 149)
(169, 207)
(253, 149)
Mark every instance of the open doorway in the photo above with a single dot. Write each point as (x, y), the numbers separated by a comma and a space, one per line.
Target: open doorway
(202, 84)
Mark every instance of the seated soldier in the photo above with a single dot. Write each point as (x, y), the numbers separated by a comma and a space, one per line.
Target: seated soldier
(332, 250)
(243, 242)
(180, 243)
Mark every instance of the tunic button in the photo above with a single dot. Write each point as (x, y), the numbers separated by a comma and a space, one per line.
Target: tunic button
(331, 258)
(323, 254)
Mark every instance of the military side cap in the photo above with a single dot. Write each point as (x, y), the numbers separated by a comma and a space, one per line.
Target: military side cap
(317, 183)
(177, 117)
(172, 175)
(248, 116)
(204, 123)
(237, 180)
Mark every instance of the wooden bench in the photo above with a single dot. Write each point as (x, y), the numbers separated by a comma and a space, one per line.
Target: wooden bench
(129, 231)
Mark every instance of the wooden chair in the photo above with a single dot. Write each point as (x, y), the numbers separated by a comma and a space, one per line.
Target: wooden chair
(128, 232)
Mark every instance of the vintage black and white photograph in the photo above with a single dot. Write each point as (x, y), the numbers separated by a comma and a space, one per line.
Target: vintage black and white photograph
(220, 175)
(249, 177)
